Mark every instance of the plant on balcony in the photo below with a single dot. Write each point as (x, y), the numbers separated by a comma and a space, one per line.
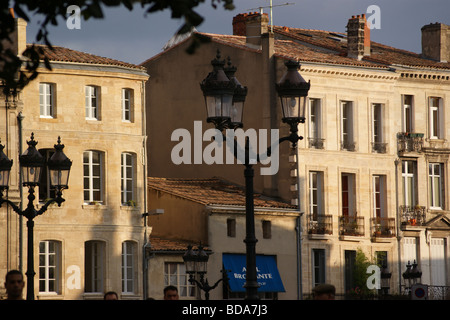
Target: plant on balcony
(360, 276)
(377, 231)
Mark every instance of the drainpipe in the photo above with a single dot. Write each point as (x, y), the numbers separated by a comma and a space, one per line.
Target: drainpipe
(144, 176)
(399, 238)
(299, 233)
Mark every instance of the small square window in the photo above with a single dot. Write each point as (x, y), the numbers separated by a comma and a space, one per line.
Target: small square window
(231, 228)
(267, 229)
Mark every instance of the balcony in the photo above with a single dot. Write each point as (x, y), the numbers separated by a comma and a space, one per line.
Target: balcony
(409, 142)
(316, 143)
(412, 215)
(382, 227)
(348, 145)
(351, 226)
(379, 147)
(320, 225)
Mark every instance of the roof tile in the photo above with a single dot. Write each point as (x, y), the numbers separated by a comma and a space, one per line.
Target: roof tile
(62, 54)
(331, 47)
(213, 191)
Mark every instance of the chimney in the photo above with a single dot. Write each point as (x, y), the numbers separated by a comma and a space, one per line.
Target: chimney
(251, 25)
(358, 37)
(436, 42)
(18, 37)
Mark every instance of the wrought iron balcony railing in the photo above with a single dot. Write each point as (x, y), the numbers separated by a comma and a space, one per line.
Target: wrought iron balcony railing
(382, 227)
(379, 147)
(316, 143)
(412, 215)
(348, 145)
(351, 226)
(409, 142)
(320, 224)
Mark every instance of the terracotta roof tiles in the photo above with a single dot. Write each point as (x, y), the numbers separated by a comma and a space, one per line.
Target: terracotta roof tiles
(321, 46)
(212, 191)
(62, 54)
(173, 245)
(159, 244)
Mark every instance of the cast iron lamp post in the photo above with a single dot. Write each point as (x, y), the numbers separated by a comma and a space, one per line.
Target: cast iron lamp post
(197, 263)
(31, 163)
(224, 98)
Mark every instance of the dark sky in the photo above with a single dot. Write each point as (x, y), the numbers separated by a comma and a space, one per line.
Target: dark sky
(134, 37)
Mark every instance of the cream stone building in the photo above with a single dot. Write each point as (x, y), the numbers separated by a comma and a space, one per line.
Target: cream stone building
(373, 164)
(211, 212)
(93, 242)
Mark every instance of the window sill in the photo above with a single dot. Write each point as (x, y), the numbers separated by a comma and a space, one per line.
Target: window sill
(93, 120)
(94, 206)
(129, 208)
(93, 296)
(129, 296)
(50, 296)
(47, 118)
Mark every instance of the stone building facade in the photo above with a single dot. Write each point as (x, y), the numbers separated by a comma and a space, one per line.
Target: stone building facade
(93, 242)
(374, 159)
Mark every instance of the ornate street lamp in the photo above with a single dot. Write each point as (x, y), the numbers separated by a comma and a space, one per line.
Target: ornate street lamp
(59, 168)
(407, 275)
(416, 274)
(5, 168)
(240, 93)
(31, 163)
(196, 262)
(293, 91)
(218, 91)
(412, 275)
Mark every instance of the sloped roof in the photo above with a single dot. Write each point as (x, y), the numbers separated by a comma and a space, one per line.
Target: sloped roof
(213, 191)
(173, 245)
(337, 43)
(62, 54)
(320, 46)
(160, 244)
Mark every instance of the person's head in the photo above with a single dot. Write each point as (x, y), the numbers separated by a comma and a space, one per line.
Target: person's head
(171, 293)
(14, 285)
(110, 295)
(324, 292)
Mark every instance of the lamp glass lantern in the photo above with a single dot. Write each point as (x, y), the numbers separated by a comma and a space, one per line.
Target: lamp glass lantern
(240, 93)
(202, 261)
(59, 167)
(293, 91)
(189, 259)
(5, 168)
(416, 274)
(218, 91)
(407, 274)
(31, 163)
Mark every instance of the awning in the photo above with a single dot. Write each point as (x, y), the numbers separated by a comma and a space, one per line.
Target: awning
(267, 272)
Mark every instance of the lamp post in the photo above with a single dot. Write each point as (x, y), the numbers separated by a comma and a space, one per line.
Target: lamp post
(197, 263)
(224, 98)
(31, 163)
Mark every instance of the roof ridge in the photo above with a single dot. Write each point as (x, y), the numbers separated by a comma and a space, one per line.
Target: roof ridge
(52, 55)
